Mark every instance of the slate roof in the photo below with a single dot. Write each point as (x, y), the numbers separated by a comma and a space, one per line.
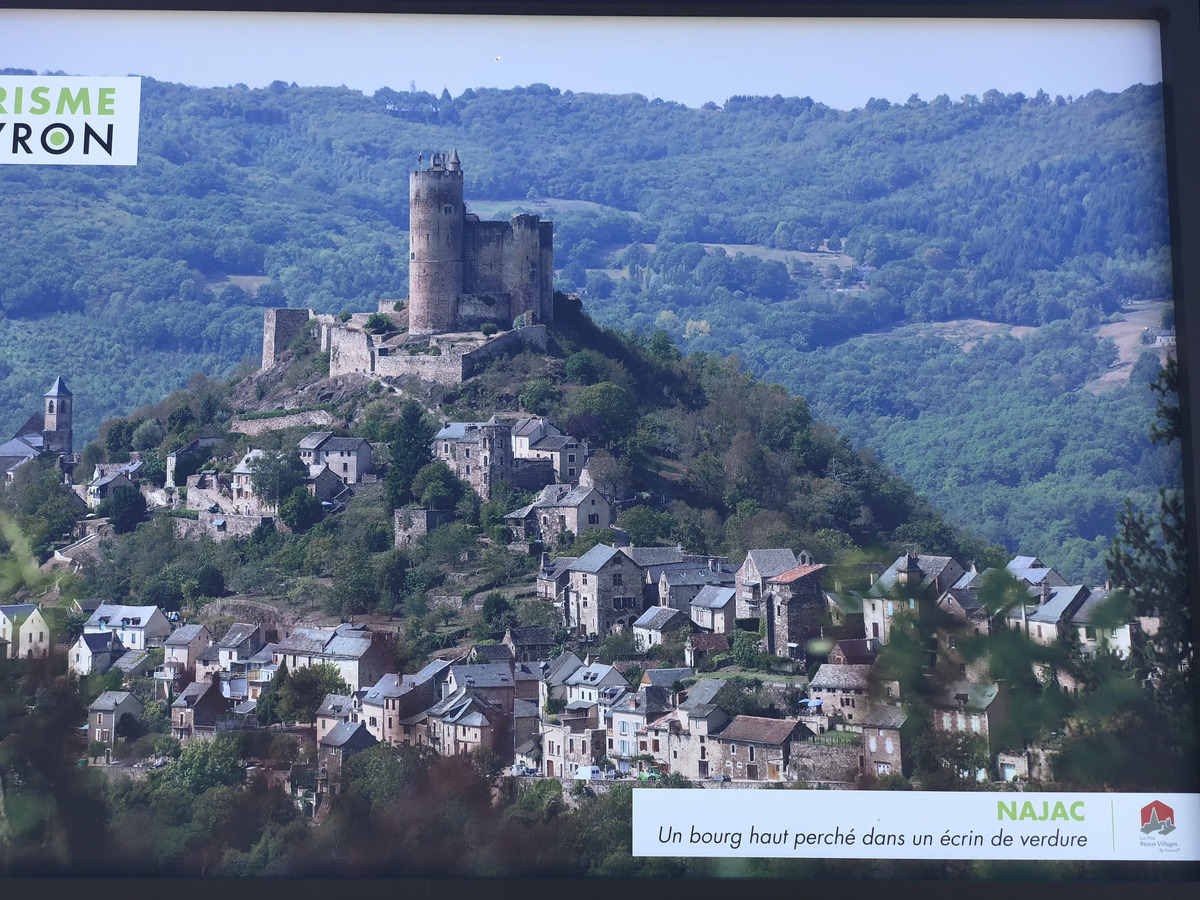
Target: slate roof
(191, 694)
(830, 676)
(770, 563)
(210, 654)
(314, 440)
(109, 700)
(59, 389)
(17, 610)
(521, 636)
(349, 444)
(116, 614)
(552, 443)
(692, 575)
(457, 431)
(305, 640)
(664, 678)
(559, 670)
(885, 717)
(713, 597)
(335, 706)
(930, 567)
(525, 709)
(485, 675)
(243, 467)
(238, 634)
(590, 675)
(595, 559)
(1083, 615)
(98, 642)
(968, 600)
(700, 697)
(1025, 562)
(348, 646)
(1059, 605)
(183, 635)
(655, 556)
(529, 425)
(657, 617)
(757, 730)
(972, 696)
(349, 735)
(492, 652)
(130, 660)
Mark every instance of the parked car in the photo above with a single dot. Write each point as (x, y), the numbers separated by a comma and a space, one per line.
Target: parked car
(588, 773)
(720, 778)
(613, 774)
(651, 774)
(518, 769)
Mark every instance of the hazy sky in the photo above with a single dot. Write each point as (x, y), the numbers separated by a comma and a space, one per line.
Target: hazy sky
(842, 63)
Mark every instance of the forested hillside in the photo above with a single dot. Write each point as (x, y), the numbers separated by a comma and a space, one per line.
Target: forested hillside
(1024, 210)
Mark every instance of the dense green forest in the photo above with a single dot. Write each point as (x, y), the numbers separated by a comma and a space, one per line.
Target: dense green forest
(775, 228)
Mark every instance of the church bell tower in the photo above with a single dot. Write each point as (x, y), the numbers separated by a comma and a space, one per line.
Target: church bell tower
(56, 422)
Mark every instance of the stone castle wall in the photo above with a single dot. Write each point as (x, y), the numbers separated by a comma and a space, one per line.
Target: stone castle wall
(280, 328)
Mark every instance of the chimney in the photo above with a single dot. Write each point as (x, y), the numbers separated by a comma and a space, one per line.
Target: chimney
(1045, 591)
(712, 564)
(545, 561)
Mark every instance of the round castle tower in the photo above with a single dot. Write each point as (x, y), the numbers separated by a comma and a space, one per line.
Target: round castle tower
(435, 267)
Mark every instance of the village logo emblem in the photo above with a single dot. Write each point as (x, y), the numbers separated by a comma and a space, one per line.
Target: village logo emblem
(1158, 818)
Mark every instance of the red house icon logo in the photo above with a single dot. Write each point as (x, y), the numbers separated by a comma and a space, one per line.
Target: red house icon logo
(1158, 818)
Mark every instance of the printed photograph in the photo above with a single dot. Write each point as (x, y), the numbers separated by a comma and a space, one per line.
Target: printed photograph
(422, 435)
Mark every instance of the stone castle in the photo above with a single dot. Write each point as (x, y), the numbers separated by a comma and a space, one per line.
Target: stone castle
(463, 274)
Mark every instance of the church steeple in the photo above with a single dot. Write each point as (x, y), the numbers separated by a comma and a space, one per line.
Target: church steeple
(57, 414)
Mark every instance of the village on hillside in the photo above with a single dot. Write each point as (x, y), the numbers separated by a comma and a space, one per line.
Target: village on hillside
(649, 663)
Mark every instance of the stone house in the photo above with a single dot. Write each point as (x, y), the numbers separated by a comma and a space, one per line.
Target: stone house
(348, 458)
(702, 647)
(752, 748)
(536, 438)
(846, 610)
(560, 509)
(494, 682)
(752, 576)
(977, 710)
(241, 641)
(105, 714)
(1096, 639)
(325, 485)
(848, 693)
(854, 652)
(392, 699)
(529, 644)
(577, 739)
(103, 488)
(480, 453)
(240, 486)
(656, 623)
(886, 736)
(22, 626)
(604, 593)
(410, 524)
(1047, 624)
(138, 627)
(180, 651)
(552, 685)
(195, 711)
(912, 581)
(1033, 573)
(465, 721)
(334, 709)
(554, 577)
(360, 655)
(586, 683)
(690, 727)
(712, 609)
(343, 741)
(633, 728)
(679, 585)
(94, 653)
(795, 608)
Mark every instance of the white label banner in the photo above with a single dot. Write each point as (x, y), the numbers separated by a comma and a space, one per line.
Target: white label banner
(68, 121)
(916, 825)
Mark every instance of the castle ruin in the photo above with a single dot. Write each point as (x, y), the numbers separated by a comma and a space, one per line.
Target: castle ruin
(463, 274)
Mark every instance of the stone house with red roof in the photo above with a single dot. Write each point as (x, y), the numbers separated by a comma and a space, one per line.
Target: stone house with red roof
(795, 608)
